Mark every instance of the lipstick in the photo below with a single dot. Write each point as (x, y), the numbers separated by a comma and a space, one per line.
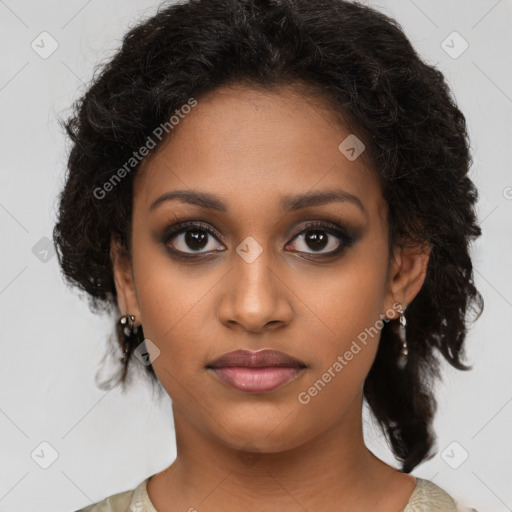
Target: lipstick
(256, 372)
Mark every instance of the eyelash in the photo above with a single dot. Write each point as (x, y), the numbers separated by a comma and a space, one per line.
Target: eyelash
(347, 238)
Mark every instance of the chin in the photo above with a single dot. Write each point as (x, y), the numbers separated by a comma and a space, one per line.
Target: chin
(263, 437)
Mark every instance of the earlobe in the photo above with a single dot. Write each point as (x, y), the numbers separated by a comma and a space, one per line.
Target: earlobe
(408, 272)
(123, 279)
(418, 263)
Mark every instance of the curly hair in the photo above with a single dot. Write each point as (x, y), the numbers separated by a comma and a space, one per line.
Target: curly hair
(361, 63)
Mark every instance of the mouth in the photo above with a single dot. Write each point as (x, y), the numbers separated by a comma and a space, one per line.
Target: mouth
(256, 372)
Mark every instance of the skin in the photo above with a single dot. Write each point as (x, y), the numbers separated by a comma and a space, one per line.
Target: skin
(250, 148)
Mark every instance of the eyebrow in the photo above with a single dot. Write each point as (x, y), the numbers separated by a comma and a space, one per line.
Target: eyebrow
(288, 203)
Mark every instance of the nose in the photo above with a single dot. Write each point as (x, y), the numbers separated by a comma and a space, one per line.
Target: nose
(254, 296)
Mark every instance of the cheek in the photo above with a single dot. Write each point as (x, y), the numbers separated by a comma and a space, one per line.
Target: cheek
(350, 301)
(349, 310)
(175, 304)
(345, 352)
(355, 310)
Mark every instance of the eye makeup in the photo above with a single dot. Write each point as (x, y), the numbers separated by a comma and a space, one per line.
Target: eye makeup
(323, 229)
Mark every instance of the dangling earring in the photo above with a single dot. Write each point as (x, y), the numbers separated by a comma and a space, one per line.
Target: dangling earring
(402, 358)
(127, 323)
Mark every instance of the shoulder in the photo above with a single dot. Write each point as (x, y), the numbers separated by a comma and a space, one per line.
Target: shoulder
(134, 500)
(428, 496)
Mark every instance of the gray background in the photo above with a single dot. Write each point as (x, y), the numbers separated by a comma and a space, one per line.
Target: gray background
(52, 344)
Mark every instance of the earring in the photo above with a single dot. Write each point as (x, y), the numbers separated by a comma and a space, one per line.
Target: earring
(127, 323)
(402, 358)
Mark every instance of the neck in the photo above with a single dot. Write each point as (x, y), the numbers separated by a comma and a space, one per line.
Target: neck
(333, 467)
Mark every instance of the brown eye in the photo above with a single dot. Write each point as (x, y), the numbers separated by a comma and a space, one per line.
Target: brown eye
(317, 240)
(190, 238)
(321, 238)
(196, 239)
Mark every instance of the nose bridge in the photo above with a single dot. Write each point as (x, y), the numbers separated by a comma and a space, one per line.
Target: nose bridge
(254, 296)
(254, 275)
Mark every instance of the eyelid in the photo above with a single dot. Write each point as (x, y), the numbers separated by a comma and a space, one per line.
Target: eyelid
(180, 227)
(173, 226)
(322, 223)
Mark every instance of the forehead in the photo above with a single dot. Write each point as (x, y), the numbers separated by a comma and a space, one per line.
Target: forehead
(252, 147)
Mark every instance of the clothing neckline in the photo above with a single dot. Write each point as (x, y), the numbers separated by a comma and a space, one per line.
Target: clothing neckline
(141, 496)
(413, 494)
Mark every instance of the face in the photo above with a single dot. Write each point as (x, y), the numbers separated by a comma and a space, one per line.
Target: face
(261, 263)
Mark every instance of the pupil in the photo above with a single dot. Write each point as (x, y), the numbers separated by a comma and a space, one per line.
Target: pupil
(317, 239)
(195, 237)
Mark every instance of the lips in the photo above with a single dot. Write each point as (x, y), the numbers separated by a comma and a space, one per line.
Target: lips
(261, 359)
(256, 372)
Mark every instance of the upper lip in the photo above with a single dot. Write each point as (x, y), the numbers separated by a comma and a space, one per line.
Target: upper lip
(260, 359)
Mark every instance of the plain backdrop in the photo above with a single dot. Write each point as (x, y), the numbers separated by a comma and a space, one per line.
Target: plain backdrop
(95, 442)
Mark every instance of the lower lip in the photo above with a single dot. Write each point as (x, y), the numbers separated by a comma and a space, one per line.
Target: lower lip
(256, 380)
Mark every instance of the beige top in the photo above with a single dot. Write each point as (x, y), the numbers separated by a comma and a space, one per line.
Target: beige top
(426, 497)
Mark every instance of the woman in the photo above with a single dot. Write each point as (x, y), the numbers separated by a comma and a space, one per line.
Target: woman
(273, 197)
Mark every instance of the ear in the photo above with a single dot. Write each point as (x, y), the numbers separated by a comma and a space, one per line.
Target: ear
(124, 281)
(408, 269)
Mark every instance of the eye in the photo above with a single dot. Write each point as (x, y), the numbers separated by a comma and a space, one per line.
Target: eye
(194, 236)
(322, 238)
